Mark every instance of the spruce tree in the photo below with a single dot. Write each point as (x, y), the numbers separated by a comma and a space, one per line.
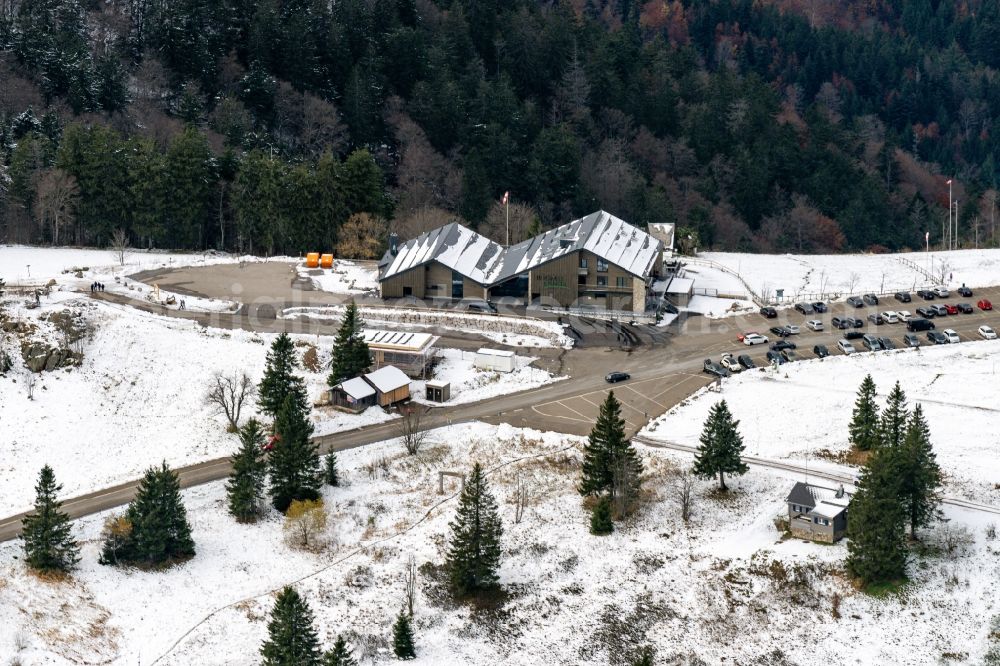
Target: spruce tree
(340, 655)
(920, 477)
(600, 517)
(351, 356)
(474, 551)
(291, 636)
(864, 427)
(876, 523)
(293, 463)
(280, 379)
(330, 472)
(245, 488)
(46, 531)
(892, 427)
(721, 446)
(607, 435)
(645, 657)
(402, 638)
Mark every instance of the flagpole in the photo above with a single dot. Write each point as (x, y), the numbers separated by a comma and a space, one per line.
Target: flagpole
(507, 209)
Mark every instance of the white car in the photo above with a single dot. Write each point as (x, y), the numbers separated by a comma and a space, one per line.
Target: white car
(890, 317)
(987, 332)
(904, 315)
(793, 329)
(755, 339)
(846, 346)
(951, 335)
(729, 362)
(814, 325)
(940, 292)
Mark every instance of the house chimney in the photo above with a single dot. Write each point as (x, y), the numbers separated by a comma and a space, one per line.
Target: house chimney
(394, 243)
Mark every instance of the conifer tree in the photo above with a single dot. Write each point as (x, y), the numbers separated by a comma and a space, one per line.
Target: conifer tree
(340, 655)
(864, 427)
(600, 517)
(351, 356)
(402, 638)
(920, 478)
(330, 472)
(293, 463)
(245, 488)
(474, 552)
(876, 523)
(46, 531)
(892, 427)
(721, 446)
(607, 434)
(645, 657)
(291, 636)
(280, 379)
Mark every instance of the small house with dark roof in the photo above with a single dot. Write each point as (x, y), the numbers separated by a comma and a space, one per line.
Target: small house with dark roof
(817, 513)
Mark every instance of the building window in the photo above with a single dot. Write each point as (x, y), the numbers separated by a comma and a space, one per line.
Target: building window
(602, 280)
(602, 266)
(581, 280)
(583, 262)
(621, 282)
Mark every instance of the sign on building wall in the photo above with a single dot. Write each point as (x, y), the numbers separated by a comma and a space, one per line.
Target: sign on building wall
(553, 282)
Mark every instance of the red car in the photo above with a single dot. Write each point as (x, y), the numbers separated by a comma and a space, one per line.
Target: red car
(952, 309)
(984, 304)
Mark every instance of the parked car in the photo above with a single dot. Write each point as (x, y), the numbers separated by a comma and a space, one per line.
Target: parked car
(987, 332)
(926, 294)
(842, 322)
(904, 315)
(855, 301)
(965, 308)
(780, 331)
(903, 296)
(911, 340)
(487, 307)
(890, 317)
(984, 304)
(919, 325)
(793, 329)
(741, 336)
(790, 355)
(940, 310)
(752, 339)
(964, 291)
(775, 357)
(941, 292)
(876, 319)
(854, 335)
(951, 309)
(768, 313)
(746, 361)
(729, 362)
(937, 337)
(615, 377)
(886, 343)
(814, 325)
(804, 308)
(819, 306)
(714, 368)
(782, 344)
(871, 343)
(870, 299)
(846, 346)
(952, 336)
(926, 313)
(821, 351)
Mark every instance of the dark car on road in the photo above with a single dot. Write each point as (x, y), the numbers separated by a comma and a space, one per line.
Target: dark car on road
(853, 335)
(804, 308)
(780, 331)
(876, 319)
(790, 355)
(775, 357)
(919, 325)
(858, 323)
(926, 294)
(856, 301)
(615, 377)
(887, 343)
(903, 296)
(842, 322)
(926, 313)
(781, 345)
(870, 299)
(714, 369)
(964, 291)
(821, 351)
(768, 313)
(819, 306)
(746, 361)
(965, 308)
(937, 337)
(911, 340)
(871, 343)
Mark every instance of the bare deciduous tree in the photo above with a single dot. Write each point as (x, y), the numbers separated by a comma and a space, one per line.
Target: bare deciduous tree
(410, 432)
(524, 222)
(120, 245)
(411, 583)
(305, 522)
(29, 383)
(520, 499)
(57, 194)
(228, 393)
(362, 236)
(684, 492)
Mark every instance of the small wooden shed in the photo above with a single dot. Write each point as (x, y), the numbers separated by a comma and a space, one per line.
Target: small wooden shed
(438, 391)
(391, 385)
(499, 360)
(355, 394)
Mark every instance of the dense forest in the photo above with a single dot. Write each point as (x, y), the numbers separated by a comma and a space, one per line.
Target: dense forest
(293, 125)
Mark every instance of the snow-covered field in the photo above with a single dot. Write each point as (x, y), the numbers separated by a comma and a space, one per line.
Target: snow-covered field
(804, 409)
(346, 277)
(723, 589)
(469, 384)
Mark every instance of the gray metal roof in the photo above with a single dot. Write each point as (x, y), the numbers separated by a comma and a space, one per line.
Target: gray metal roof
(486, 262)
(800, 495)
(809, 495)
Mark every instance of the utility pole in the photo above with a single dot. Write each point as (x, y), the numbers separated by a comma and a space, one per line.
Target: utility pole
(949, 214)
(956, 225)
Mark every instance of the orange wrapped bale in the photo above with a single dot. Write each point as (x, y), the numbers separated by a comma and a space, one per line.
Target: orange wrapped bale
(312, 260)
(326, 261)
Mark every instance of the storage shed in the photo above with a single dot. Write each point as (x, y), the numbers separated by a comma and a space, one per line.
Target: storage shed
(438, 391)
(498, 360)
(312, 260)
(354, 394)
(413, 353)
(326, 261)
(391, 385)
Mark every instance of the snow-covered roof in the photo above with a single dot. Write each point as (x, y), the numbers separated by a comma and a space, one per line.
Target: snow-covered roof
(486, 262)
(398, 340)
(357, 388)
(809, 495)
(387, 378)
(495, 352)
(680, 286)
(828, 509)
